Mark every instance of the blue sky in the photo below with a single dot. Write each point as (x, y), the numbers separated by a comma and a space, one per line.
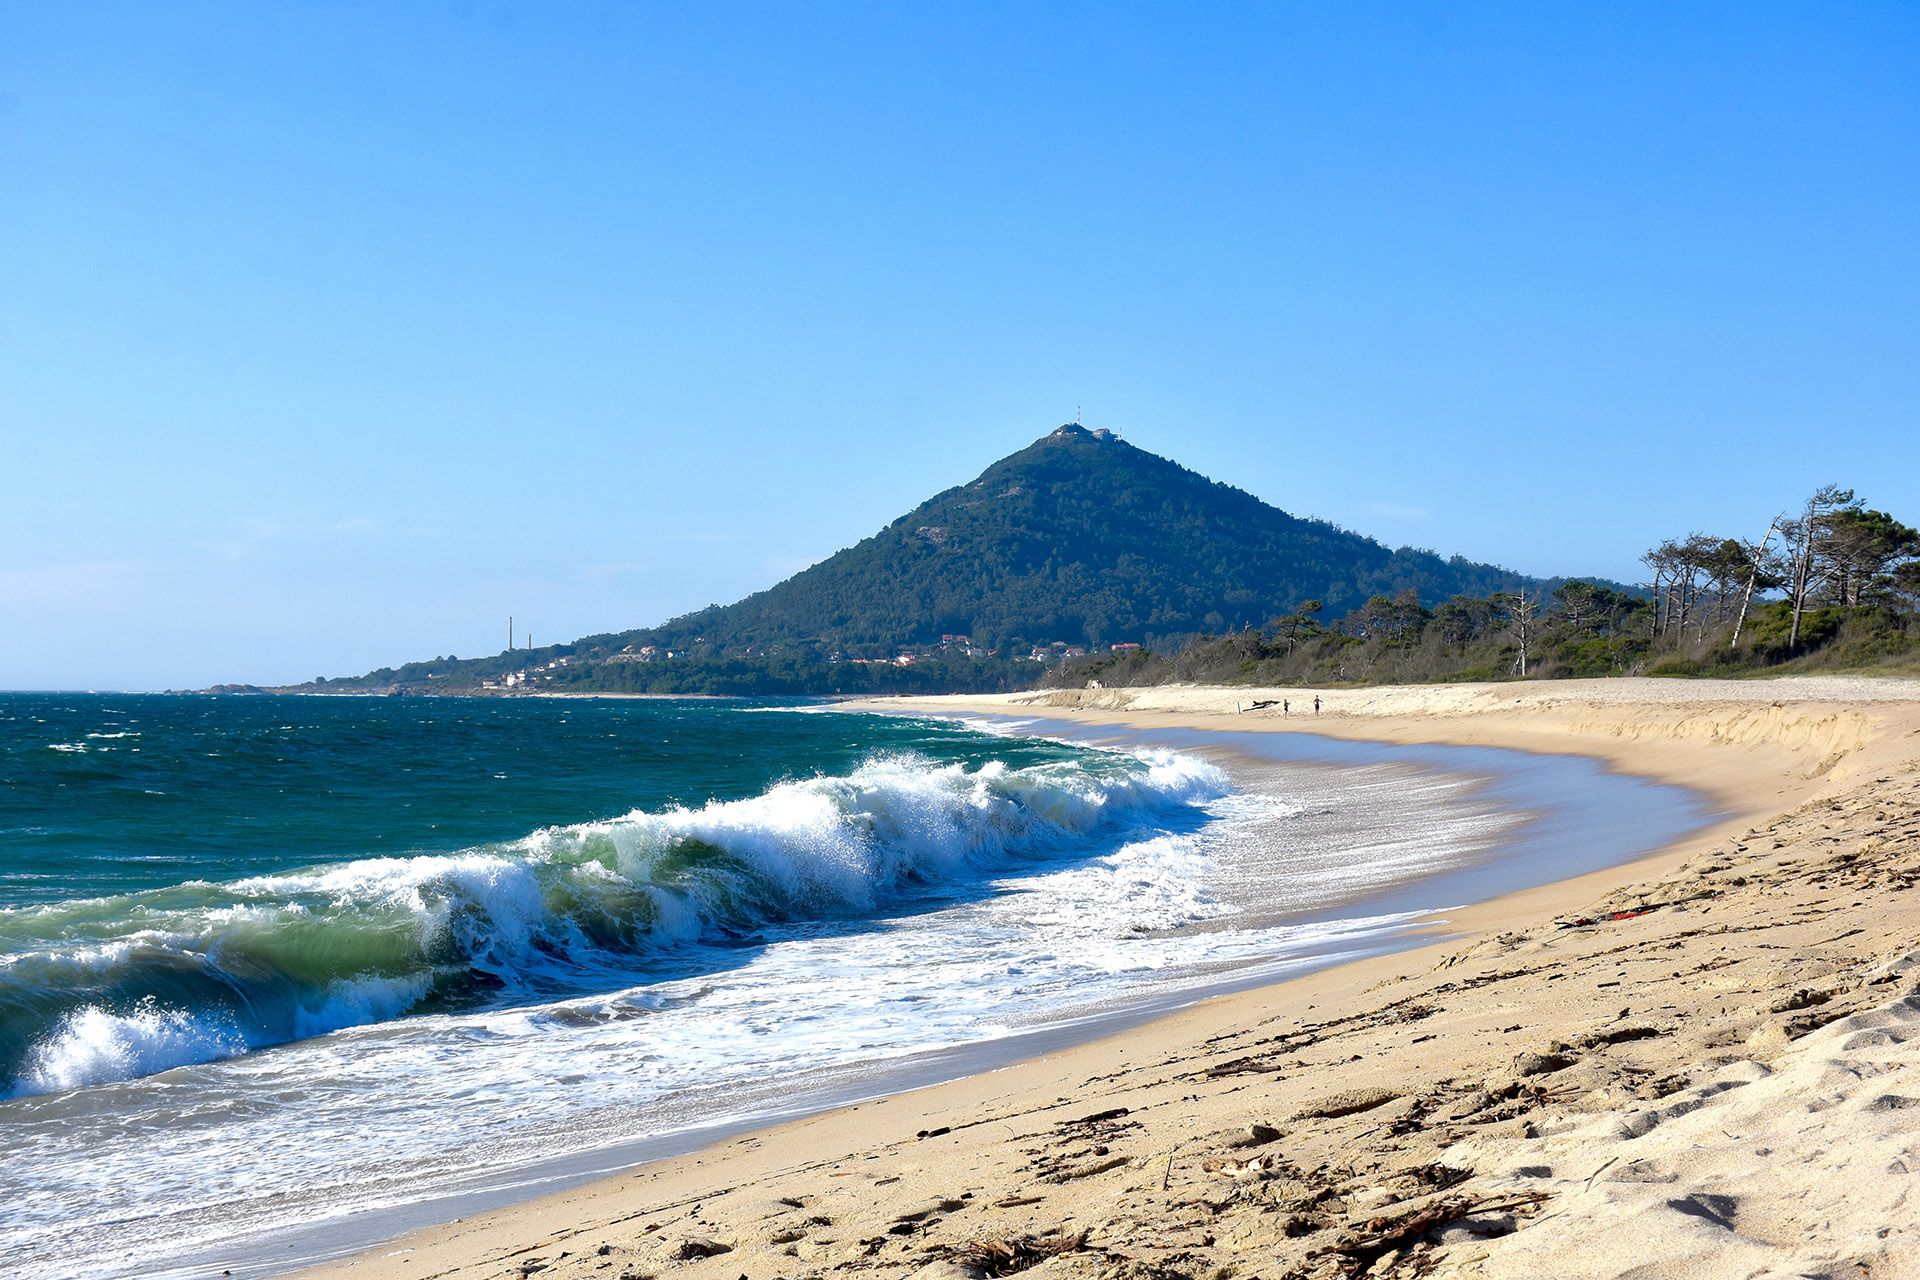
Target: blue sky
(332, 334)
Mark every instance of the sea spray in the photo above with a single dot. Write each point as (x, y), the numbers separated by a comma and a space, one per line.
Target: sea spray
(111, 988)
(92, 1046)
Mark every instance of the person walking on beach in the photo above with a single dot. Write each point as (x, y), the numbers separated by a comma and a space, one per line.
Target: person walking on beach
(1316, 704)
(1286, 708)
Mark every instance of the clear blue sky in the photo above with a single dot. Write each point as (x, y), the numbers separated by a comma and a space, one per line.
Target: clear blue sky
(331, 334)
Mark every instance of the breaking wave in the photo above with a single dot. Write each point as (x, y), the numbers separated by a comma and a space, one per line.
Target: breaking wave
(111, 988)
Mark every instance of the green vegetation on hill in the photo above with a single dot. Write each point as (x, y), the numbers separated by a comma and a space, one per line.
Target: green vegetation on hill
(1835, 586)
(1079, 537)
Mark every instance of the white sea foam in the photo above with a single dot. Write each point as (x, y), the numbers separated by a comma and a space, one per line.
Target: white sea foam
(820, 846)
(263, 960)
(840, 843)
(93, 1046)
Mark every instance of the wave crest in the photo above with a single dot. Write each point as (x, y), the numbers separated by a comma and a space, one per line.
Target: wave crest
(112, 988)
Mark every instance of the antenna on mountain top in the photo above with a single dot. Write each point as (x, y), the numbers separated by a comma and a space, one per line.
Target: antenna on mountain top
(1076, 415)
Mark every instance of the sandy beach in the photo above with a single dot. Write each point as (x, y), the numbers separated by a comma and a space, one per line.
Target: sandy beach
(1693, 1065)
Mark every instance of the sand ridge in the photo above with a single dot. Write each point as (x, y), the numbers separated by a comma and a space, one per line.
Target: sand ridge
(1695, 1066)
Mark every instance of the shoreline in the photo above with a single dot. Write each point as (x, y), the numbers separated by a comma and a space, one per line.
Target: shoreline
(1759, 755)
(1493, 806)
(1540, 794)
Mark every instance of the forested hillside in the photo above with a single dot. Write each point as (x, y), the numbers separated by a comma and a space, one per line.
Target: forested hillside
(1084, 538)
(1076, 543)
(1832, 586)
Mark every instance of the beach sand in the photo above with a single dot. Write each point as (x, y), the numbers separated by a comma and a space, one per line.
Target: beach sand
(1695, 1065)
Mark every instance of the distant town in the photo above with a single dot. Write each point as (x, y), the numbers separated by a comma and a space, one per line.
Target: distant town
(950, 646)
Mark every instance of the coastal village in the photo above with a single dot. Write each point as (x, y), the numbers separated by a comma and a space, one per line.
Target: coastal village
(950, 645)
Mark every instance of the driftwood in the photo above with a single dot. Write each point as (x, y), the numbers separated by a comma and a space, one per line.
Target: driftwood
(1004, 1257)
(1360, 1247)
(1097, 1117)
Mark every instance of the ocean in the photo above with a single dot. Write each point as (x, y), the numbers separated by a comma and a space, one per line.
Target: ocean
(283, 976)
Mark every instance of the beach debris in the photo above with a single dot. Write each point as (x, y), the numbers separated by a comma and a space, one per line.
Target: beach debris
(1098, 1117)
(864, 1248)
(912, 1220)
(699, 1247)
(1346, 1103)
(1359, 1247)
(1436, 1177)
(1258, 1167)
(1002, 1257)
(1801, 999)
(1643, 907)
(1244, 1066)
(1581, 922)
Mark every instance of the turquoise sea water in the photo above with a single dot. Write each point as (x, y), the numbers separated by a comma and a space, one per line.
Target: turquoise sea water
(187, 877)
(110, 793)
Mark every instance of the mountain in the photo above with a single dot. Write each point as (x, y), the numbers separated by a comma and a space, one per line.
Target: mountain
(1080, 538)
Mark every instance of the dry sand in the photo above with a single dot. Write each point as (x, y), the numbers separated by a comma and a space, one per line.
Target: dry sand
(1693, 1066)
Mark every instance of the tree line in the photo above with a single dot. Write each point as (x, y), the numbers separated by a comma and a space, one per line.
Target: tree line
(1832, 585)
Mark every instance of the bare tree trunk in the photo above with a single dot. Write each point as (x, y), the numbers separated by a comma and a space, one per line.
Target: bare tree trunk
(1822, 503)
(1523, 612)
(1802, 574)
(1753, 578)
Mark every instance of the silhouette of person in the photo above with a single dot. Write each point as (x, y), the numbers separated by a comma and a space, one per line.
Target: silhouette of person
(1286, 708)
(1316, 704)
